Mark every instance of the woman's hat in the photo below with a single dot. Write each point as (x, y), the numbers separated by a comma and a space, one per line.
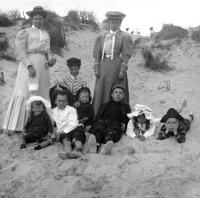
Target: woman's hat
(37, 10)
(37, 98)
(73, 62)
(115, 15)
(172, 113)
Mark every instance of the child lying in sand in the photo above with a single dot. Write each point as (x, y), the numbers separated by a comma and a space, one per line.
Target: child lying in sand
(174, 125)
(38, 127)
(110, 122)
(142, 123)
(69, 134)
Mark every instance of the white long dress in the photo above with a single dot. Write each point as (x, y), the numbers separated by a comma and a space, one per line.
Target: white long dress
(31, 44)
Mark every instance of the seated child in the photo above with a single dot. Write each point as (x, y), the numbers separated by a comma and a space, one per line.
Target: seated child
(39, 125)
(110, 122)
(174, 125)
(69, 134)
(72, 82)
(142, 124)
(85, 109)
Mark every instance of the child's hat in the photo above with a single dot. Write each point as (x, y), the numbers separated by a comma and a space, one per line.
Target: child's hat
(74, 62)
(84, 89)
(37, 98)
(140, 109)
(118, 86)
(171, 113)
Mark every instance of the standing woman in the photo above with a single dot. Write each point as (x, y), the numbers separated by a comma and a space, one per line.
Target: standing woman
(112, 52)
(33, 48)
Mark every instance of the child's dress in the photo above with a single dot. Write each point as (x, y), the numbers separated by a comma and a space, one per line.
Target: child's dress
(37, 127)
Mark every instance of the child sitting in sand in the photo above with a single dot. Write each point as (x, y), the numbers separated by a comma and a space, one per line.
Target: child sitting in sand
(175, 125)
(69, 134)
(142, 124)
(72, 82)
(110, 122)
(85, 109)
(38, 127)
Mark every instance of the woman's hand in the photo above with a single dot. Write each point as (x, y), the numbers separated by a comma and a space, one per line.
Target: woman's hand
(52, 61)
(122, 75)
(31, 70)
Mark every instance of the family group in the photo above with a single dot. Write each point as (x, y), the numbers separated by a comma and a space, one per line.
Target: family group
(67, 113)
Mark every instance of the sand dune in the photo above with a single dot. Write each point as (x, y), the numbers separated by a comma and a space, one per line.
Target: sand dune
(157, 169)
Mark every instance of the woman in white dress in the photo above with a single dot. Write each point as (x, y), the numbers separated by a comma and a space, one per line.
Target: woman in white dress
(33, 48)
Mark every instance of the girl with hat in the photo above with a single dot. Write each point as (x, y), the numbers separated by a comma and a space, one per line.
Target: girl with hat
(174, 125)
(33, 48)
(111, 52)
(39, 124)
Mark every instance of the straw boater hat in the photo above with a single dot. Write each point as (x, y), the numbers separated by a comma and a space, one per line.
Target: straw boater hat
(115, 15)
(37, 98)
(172, 113)
(37, 10)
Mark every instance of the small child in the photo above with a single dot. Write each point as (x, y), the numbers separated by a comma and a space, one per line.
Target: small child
(69, 134)
(142, 124)
(73, 82)
(110, 122)
(39, 126)
(174, 125)
(85, 109)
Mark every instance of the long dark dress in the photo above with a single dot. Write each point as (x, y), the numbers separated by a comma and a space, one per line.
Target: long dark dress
(110, 69)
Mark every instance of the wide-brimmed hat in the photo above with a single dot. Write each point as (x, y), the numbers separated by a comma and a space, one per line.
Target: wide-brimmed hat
(37, 10)
(172, 113)
(115, 15)
(73, 62)
(118, 86)
(37, 98)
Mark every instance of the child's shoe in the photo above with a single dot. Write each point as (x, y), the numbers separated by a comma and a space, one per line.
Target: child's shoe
(181, 138)
(22, 146)
(106, 148)
(38, 147)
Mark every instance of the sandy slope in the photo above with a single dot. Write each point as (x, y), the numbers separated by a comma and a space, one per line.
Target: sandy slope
(158, 169)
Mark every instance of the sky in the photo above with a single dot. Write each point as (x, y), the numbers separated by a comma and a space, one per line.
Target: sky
(140, 14)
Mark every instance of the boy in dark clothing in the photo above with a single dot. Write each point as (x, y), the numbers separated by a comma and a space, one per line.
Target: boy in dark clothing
(39, 125)
(174, 125)
(110, 122)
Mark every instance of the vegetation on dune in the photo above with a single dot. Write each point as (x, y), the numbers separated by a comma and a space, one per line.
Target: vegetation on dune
(196, 35)
(170, 31)
(156, 63)
(9, 18)
(80, 19)
(4, 46)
